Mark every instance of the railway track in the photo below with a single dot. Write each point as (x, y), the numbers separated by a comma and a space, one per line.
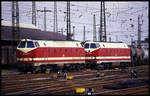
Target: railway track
(38, 77)
(24, 77)
(56, 89)
(127, 91)
(49, 86)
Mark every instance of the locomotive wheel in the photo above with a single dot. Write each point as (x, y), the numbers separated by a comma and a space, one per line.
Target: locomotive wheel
(65, 68)
(99, 67)
(106, 66)
(43, 68)
(36, 70)
(110, 66)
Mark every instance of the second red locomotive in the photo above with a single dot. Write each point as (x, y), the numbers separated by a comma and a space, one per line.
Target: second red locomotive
(107, 54)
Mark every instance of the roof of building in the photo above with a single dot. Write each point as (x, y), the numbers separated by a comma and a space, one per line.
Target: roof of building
(22, 25)
(29, 31)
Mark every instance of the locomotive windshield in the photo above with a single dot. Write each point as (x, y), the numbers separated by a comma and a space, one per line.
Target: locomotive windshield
(22, 44)
(86, 45)
(93, 45)
(30, 44)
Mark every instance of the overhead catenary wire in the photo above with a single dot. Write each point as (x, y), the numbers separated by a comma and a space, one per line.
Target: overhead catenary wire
(125, 12)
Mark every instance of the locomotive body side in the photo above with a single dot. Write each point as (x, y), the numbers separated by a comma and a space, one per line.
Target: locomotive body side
(101, 52)
(40, 52)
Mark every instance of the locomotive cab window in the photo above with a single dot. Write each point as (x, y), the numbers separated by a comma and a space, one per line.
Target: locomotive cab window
(86, 45)
(93, 45)
(97, 45)
(22, 44)
(36, 44)
(30, 44)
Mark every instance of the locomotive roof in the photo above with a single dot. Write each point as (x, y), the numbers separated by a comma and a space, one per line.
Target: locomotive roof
(50, 43)
(110, 45)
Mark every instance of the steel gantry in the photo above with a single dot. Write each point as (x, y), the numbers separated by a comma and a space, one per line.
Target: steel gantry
(102, 34)
(68, 21)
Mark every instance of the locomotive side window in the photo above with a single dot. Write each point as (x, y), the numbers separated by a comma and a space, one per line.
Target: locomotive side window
(60, 50)
(86, 45)
(48, 50)
(36, 44)
(54, 50)
(22, 44)
(65, 50)
(30, 44)
(76, 50)
(44, 44)
(77, 44)
(93, 45)
(97, 45)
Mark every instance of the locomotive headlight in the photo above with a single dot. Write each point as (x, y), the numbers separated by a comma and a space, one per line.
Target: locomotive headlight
(18, 59)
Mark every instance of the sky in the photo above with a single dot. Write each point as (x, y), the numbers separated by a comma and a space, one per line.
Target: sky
(121, 17)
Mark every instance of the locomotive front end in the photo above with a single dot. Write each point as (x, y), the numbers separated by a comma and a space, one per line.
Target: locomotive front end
(25, 53)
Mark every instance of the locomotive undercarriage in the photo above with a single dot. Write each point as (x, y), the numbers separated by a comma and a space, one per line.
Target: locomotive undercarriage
(29, 67)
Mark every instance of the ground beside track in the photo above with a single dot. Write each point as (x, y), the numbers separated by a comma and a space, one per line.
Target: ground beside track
(43, 84)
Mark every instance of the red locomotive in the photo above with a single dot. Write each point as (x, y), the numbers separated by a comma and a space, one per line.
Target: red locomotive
(38, 55)
(107, 54)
